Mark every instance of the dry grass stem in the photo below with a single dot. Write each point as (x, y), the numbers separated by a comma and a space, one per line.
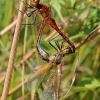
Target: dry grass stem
(92, 35)
(23, 97)
(9, 27)
(13, 53)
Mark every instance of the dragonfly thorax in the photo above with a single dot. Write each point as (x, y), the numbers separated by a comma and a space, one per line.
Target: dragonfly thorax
(56, 58)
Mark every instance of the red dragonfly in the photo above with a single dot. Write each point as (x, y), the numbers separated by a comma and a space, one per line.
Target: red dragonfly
(45, 12)
(52, 86)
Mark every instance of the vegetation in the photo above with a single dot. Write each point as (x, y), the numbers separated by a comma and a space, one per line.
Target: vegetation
(78, 19)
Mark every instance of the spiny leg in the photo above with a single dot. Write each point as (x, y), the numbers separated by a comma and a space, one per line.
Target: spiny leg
(60, 46)
(34, 20)
(53, 46)
(55, 41)
(30, 13)
(30, 7)
(31, 24)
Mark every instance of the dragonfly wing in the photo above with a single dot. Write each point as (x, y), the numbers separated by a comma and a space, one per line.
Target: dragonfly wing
(34, 82)
(49, 92)
(37, 75)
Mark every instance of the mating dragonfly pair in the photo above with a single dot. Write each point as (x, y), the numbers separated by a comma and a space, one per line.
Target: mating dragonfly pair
(52, 86)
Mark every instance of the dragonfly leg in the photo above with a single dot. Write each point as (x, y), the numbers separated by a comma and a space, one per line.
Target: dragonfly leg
(60, 46)
(28, 14)
(55, 41)
(57, 44)
(33, 22)
(30, 7)
(52, 45)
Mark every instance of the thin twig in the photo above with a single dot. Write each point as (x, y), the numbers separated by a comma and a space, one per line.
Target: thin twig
(17, 87)
(92, 35)
(8, 28)
(13, 53)
(23, 97)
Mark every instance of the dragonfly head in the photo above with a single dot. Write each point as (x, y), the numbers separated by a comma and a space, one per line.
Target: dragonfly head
(34, 3)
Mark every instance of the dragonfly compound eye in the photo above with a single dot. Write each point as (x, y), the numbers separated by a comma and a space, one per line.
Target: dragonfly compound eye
(34, 3)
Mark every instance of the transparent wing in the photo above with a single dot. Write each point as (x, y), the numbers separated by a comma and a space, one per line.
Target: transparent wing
(34, 81)
(50, 92)
(37, 75)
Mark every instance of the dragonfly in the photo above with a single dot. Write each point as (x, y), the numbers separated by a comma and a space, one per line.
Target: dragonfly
(52, 86)
(51, 90)
(45, 11)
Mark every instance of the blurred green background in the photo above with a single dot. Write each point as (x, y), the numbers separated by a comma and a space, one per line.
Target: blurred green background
(77, 18)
